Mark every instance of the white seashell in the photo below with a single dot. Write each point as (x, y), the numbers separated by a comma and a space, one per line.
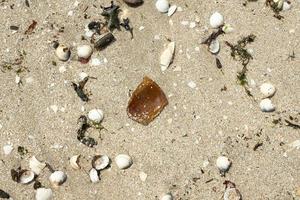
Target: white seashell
(172, 10)
(143, 176)
(7, 149)
(100, 162)
(162, 6)
(96, 115)
(214, 46)
(26, 177)
(43, 194)
(267, 89)
(167, 196)
(286, 6)
(227, 28)
(63, 52)
(36, 166)
(84, 51)
(216, 20)
(232, 194)
(223, 164)
(18, 79)
(57, 178)
(123, 161)
(279, 3)
(74, 162)
(166, 57)
(94, 176)
(266, 105)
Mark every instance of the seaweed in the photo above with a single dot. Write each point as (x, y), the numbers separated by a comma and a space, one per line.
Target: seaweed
(276, 7)
(79, 89)
(111, 15)
(84, 126)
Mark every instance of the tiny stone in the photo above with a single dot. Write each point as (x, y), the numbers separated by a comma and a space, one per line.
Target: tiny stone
(192, 84)
(143, 176)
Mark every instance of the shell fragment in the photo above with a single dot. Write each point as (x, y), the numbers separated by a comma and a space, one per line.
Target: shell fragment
(166, 57)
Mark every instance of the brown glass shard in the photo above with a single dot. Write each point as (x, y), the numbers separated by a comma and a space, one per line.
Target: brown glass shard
(146, 102)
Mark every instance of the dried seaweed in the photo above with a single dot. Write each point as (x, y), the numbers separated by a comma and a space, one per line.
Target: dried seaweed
(111, 15)
(213, 36)
(79, 89)
(239, 52)
(83, 127)
(127, 27)
(276, 7)
(4, 195)
(31, 27)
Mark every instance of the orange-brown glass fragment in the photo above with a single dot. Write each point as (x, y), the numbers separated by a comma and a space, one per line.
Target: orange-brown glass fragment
(146, 102)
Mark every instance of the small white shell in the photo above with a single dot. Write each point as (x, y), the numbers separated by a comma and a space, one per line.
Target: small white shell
(84, 51)
(267, 89)
(266, 105)
(82, 75)
(96, 115)
(162, 6)
(167, 196)
(223, 164)
(123, 161)
(43, 194)
(74, 162)
(216, 20)
(94, 175)
(36, 166)
(214, 46)
(232, 194)
(167, 56)
(172, 10)
(100, 162)
(286, 6)
(279, 3)
(26, 177)
(63, 52)
(57, 178)
(7, 149)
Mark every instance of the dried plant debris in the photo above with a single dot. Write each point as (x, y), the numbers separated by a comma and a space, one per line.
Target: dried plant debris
(213, 36)
(22, 151)
(125, 24)
(111, 15)
(247, 1)
(276, 6)
(243, 81)
(290, 121)
(146, 102)
(79, 89)
(4, 195)
(15, 65)
(81, 136)
(239, 51)
(31, 28)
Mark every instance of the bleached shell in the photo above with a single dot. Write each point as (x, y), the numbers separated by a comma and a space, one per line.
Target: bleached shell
(216, 20)
(74, 162)
(96, 115)
(162, 6)
(172, 10)
(286, 6)
(167, 196)
(100, 162)
(223, 163)
(279, 3)
(214, 46)
(84, 51)
(267, 89)
(94, 175)
(166, 57)
(7, 149)
(123, 161)
(36, 166)
(57, 178)
(26, 177)
(266, 105)
(232, 194)
(43, 194)
(63, 52)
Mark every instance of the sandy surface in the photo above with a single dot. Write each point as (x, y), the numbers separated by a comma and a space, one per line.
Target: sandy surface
(197, 126)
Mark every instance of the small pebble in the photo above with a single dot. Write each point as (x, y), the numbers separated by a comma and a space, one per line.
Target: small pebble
(57, 178)
(162, 6)
(267, 89)
(223, 164)
(216, 20)
(266, 105)
(123, 161)
(84, 51)
(143, 176)
(192, 84)
(43, 194)
(167, 196)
